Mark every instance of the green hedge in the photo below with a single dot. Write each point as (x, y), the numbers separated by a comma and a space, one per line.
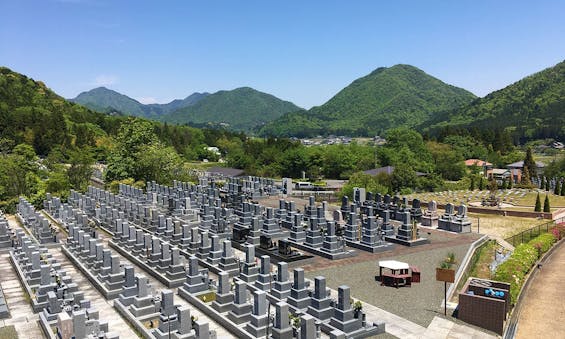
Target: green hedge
(521, 261)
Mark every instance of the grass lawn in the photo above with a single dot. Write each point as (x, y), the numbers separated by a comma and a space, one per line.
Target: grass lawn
(512, 197)
(497, 225)
(8, 332)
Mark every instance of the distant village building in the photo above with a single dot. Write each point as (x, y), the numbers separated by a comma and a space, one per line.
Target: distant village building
(486, 167)
(516, 169)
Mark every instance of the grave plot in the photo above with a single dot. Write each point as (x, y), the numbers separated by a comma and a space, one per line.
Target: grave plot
(62, 308)
(35, 222)
(450, 221)
(151, 316)
(248, 317)
(5, 233)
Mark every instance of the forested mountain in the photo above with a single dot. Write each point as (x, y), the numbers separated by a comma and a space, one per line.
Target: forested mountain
(240, 109)
(105, 100)
(401, 95)
(532, 108)
(31, 113)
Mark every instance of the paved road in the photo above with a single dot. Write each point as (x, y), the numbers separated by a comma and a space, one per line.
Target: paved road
(543, 308)
(22, 316)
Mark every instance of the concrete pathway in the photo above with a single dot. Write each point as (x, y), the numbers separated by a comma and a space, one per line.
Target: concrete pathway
(22, 316)
(444, 328)
(543, 309)
(400, 327)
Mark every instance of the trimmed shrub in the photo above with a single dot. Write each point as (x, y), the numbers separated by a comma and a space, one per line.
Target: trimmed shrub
(515, 269)
(543, 242)
(537, 208)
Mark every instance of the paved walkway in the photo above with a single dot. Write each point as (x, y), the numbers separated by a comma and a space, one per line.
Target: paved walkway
(21, 314)
(543, 309)
(439, 328)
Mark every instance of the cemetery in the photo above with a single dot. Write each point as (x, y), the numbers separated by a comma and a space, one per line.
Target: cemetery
(246, 268)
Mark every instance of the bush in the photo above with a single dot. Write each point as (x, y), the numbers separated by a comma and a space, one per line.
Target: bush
(543, 242)
(514, 270)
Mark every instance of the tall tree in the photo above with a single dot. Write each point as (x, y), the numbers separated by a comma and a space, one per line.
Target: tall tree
(80, 169)
(526, 182)
(563, 188)
(537, 207)
(547, 184)
(530, 163)
(557, 189)
(481, 184)
(546, 207)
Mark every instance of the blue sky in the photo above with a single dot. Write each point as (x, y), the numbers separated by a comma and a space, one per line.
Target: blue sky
(301, 51)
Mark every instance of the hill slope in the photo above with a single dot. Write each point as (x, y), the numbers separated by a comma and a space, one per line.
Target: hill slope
(531, 108)
(102, 99)
(242, 109)
(32, 113)
(401, 95)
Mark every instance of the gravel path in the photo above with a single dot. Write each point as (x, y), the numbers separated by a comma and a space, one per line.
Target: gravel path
(419, 303)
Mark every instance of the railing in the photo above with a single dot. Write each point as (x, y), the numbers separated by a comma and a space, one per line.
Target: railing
(527, 235)
(465, 265)
(466, 273)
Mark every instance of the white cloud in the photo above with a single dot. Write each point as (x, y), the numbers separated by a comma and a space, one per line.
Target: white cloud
(147, 100)
(105, 80)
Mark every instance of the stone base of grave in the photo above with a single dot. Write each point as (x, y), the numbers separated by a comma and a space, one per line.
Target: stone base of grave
(318, 251)
(223, 302)
(276, 256)
(282, 333)
(229, 265)
(240, 314)
(142, 306)
(409, 243)
(430, 221)
(460, 227)
(258, 326)
(372, 249)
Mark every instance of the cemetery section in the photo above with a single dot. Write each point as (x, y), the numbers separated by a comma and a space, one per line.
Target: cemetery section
(237, 267)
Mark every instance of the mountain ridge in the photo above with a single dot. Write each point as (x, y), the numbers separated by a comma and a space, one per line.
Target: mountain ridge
(103, 99)
(388, 97)
(242, 108)
(530, 108)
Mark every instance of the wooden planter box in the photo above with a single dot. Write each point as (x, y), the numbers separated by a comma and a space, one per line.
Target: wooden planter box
(445, 274)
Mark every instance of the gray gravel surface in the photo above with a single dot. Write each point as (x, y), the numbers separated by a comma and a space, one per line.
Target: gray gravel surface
(419, 303)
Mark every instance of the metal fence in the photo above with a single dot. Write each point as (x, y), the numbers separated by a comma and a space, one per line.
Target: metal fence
(527, 235)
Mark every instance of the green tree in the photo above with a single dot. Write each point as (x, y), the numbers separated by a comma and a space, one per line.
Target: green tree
(546, 207)
(58, 183)
(537, 208)
(481, 184)
(557, 189)
(472, 186)
(159, 163)
(80, 169)
(530, 163)
(563, 188)
(547, 184)
(403, 177)
(133, 135)
(377, 184)
(526, 182)
(510, 183)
